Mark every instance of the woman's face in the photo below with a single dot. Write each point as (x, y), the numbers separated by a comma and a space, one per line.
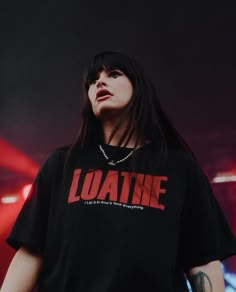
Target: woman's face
(110, 92)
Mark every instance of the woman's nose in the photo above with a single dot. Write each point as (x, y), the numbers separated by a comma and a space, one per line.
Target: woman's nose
(101, 82)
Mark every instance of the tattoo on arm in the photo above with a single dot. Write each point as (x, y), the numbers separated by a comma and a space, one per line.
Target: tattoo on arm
(200, 281)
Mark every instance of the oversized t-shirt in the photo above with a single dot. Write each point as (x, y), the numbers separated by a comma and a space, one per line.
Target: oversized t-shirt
(136, 226)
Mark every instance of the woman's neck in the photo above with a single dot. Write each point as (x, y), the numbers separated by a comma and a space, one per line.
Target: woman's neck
(108, 128)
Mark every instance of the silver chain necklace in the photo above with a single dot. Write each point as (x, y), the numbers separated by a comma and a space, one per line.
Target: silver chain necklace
(112, 162)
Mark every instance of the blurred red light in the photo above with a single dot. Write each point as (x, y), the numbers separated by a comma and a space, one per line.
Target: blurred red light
(26, 191)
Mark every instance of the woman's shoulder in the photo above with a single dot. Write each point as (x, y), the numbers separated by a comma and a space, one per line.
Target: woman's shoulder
(60, 151)
(191, 164)
(174, 155)
(181, 155)
(55, 157)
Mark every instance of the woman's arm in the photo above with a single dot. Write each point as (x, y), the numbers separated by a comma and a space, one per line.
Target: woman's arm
(207, 278)
(23, 271)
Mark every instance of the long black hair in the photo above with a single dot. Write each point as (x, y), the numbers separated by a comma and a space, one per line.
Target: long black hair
(145, 115)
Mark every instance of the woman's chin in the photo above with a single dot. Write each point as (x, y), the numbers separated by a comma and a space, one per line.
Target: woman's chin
(107, 112)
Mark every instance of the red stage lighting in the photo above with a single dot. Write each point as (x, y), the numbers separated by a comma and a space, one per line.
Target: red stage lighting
(13, 159)
(26, 191)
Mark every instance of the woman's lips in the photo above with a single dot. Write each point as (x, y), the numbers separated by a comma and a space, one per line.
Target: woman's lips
(104, 97)
(102, 93)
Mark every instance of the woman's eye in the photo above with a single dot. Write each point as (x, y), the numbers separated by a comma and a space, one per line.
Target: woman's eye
(115, 73)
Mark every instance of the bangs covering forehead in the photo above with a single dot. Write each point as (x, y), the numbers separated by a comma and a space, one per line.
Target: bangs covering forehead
(108, 61)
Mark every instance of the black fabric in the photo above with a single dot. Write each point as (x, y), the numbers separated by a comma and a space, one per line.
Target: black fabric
(129, 227)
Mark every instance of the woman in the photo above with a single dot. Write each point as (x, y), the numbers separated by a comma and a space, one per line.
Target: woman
(126, 207)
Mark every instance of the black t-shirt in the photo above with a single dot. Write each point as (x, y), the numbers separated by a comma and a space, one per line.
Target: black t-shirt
(136, 226)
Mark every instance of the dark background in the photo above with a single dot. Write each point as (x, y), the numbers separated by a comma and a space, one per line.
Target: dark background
(187, 48)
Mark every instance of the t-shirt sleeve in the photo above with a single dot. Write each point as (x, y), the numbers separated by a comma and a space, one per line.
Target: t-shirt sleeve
(30, 227)
(206, 235)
